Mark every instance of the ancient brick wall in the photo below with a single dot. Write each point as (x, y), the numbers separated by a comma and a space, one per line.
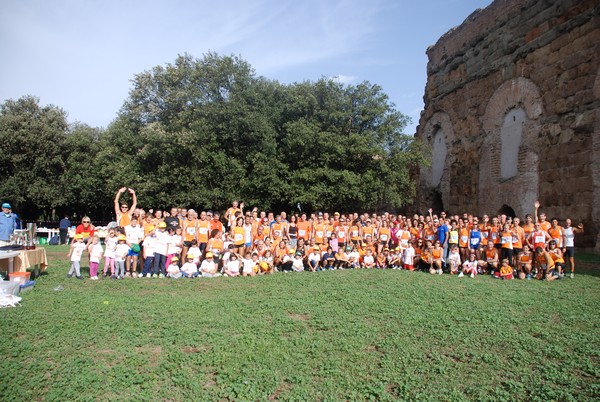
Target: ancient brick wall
(518, 83)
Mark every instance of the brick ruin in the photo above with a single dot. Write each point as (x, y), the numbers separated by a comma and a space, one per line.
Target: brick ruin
(512, 113)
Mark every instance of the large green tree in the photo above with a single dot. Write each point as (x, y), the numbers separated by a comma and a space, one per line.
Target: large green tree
(32, 160)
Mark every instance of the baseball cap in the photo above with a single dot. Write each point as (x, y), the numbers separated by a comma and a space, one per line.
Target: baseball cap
(6, 205)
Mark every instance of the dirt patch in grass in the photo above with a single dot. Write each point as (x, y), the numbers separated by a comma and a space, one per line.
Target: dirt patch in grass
(297, 316)
(285, 386)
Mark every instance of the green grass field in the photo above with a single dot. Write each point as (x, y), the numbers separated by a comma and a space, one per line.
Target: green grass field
(340, 335)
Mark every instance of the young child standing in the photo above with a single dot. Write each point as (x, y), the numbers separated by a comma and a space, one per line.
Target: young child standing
(109, 253)
(75, 252)
(120, 256)
(95, 250)
(408, 257)
(148, 254)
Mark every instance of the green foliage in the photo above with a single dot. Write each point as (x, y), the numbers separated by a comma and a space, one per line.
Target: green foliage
(340, 335)
(201, 132)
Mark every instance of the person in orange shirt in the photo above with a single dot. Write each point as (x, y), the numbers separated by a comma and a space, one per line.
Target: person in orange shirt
(557, 257)
(506, 241)
(203, 227)
(524, 262)
(437, 256)
(237, 236)
(230, 214)
(518, 238)
(278, 229)
(319, 230)
(557, 233)
(506, 271)
(544, 265)
(190, 231)
(304, 228)
(383, 236)
(491, 258)
(541, 218)
(123, 212)
(215, 222)
(367, 230)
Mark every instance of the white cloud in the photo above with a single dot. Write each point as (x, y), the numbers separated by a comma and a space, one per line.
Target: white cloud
(344, 79)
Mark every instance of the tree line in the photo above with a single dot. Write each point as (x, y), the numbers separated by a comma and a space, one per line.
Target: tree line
(202, 132)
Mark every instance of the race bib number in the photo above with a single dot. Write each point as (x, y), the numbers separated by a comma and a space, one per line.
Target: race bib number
(464, 239)
(539, 239)
(238, 237)
(474, 242)
(301, 233)
(341, 235)
(319, 234)
(191, 231)
(203, 231)
(383, 237)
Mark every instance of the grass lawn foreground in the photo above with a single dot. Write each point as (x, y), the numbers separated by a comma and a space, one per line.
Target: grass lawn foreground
(339, 335)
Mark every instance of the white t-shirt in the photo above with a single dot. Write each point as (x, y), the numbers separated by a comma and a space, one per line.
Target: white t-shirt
(149, 243)
(189, 268)
(111, 246)
(78, 249)
(408, 256)
(96, 252)
(174, 244)
(314, 256)
(134, 234)
(298, 265)
(248, 265)
(233, 266)
(208, 267)
(162, 243)
(121, 251)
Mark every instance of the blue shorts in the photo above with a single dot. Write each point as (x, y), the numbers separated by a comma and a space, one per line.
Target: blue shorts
(132, 254)
(248, 244)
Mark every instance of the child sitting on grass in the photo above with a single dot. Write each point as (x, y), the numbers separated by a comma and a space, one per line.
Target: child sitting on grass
(232, 267)
(368, 260)
(506, 271)
(173, 270)
(189, 269)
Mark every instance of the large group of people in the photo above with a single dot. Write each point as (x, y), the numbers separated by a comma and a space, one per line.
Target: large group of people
(186, 243)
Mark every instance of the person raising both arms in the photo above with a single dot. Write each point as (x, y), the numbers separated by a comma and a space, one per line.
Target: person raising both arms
(123, 212)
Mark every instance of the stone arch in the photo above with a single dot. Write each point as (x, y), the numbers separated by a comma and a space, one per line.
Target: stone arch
(439, 134)
(521, 99)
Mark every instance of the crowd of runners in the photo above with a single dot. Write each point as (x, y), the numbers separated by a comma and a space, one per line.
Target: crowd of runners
(186, 243)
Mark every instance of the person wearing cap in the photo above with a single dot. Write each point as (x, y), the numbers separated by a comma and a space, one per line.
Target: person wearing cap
(173, 270)
(134, 234)
(75, 253)
(8, 224)
(314, 259)
(298, 263)
(120, 256)
(161, 250)
(209, 268)
(123, 212)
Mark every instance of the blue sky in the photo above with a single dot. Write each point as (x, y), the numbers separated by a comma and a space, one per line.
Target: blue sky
(81, 55)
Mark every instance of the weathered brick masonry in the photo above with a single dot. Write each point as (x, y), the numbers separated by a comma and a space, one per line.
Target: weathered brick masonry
(512, 112)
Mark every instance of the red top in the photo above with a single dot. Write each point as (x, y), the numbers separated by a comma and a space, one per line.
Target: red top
(89, 232)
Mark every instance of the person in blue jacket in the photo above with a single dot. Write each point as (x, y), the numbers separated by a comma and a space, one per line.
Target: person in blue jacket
(8, 224)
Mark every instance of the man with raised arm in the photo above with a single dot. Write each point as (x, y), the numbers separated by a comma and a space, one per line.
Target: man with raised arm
(123, 212)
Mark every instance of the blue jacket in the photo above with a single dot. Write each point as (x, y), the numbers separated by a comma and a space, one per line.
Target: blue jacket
(8, 223)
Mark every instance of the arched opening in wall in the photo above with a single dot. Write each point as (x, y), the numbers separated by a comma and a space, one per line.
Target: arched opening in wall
(439, 151)
(507, 210)
(511, 134)
(437, 204)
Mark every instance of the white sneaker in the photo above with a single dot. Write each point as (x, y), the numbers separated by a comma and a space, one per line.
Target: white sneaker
(439, 272)
(461, 275)
(161, 276)
(148, 275)
(472, 275)
(134, 275)
(572, 275)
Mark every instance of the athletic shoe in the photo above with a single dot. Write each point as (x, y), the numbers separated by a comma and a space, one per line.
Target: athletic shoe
(155, 276)
(572, 276)
(472, 275)
(127, 274)
(528, 277)
(79, 277)
(69, 275)
(161, 276)
(134, 275)
(439, 272)
(113, 277)
(461, 275)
